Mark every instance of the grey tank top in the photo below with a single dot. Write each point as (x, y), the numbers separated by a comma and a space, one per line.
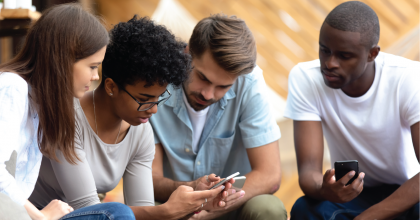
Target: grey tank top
(100, 169)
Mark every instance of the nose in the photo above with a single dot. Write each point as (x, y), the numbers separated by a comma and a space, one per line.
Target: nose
(208, 92)
(95, 76)
(152, 110)
(331, 62)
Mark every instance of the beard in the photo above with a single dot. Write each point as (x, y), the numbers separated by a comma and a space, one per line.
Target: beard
(192, 96)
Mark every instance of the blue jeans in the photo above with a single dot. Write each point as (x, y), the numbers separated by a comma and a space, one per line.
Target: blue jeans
(306, 208)
(103, 211)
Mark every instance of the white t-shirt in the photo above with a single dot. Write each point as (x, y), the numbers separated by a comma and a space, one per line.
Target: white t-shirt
(373, 128)
(198, 120)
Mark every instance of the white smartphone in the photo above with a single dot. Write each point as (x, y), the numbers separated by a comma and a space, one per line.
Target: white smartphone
(239, 183)
(225, 180)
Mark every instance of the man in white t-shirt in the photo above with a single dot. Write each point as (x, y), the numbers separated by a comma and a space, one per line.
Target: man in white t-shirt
(366, 104)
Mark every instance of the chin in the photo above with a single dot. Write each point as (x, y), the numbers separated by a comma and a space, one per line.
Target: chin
(79, 94)
(336, 85)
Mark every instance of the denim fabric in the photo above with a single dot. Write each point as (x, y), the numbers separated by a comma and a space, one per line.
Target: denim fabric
(241, 119)
(104, 211)
(307, 208)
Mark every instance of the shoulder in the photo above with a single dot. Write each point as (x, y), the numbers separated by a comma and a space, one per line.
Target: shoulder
(306, 71)
(306, 75)
(142, 134)
(13, 81)
(394, 61)
(142, 141)
(398, 69)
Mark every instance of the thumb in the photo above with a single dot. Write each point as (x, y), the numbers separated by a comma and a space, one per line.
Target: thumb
(329, 176)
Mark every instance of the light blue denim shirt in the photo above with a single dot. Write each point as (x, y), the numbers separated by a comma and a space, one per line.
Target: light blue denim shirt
(241, 119)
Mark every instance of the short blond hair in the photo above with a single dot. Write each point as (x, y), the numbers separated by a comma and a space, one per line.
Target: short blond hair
(229, 40)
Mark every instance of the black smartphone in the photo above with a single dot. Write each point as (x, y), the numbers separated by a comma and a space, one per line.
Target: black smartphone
(344, 167)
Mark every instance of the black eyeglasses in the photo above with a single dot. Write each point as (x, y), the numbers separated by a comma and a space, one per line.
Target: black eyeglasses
(148, 105)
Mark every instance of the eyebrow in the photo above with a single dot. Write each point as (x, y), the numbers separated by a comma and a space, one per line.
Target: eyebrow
(150, 96)
(210, 81)
(97, 63)
(346, 52)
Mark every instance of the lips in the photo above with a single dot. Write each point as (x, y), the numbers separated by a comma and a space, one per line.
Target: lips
(329, 76)
(199, 101)
(143, 120)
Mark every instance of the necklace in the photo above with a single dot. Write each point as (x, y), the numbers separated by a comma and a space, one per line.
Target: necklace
(96, 125)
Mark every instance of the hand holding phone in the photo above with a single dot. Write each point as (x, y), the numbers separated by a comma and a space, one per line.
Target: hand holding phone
(225, 180)
(344, 167)
(239, 183)
(337, 189)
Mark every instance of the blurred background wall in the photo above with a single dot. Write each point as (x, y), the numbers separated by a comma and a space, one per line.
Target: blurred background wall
(286, 33)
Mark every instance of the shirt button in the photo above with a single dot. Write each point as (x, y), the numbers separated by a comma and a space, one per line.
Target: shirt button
(187, 149)
(198, 163)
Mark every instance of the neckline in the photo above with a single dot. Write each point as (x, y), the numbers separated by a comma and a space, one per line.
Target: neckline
(368, 94)
(95, 135)
(190, 109)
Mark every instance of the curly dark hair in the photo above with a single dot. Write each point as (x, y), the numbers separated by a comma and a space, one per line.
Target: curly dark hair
(141, 50)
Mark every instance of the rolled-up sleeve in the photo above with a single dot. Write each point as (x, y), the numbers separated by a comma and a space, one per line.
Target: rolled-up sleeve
(257, 124)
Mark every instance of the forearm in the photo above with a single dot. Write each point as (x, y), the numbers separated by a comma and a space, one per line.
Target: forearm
(154, 212)
(164, 187)
(405, 197)
(310, 182)
(33, 212)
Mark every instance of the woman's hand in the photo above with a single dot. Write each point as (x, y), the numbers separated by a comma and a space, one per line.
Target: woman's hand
(184, 200)
(56, 209)
(226, 199)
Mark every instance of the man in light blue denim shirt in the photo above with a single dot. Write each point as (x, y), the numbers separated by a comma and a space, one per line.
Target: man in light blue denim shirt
(220, 122)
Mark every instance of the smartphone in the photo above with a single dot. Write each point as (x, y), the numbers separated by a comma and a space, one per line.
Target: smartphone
(239, 183)
(225, 180)
(344, 167)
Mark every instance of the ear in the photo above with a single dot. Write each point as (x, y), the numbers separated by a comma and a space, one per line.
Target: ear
(111, 87)
(187, 49)
(373, 53)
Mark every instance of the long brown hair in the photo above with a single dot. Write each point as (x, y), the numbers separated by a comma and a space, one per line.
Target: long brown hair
(63, 35)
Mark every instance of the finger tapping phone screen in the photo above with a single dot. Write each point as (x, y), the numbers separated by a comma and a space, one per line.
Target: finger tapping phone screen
(225, 180)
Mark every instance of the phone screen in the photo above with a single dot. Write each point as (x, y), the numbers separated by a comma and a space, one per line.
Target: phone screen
(225, 180)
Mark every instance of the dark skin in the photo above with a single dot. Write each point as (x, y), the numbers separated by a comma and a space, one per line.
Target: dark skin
(346, 64)
(115, 108)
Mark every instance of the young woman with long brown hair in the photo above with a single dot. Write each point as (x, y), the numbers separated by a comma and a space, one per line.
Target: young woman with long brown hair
(58, 61)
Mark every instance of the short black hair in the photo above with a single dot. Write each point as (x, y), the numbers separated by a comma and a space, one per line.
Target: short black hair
(355, 16)
(141, 50)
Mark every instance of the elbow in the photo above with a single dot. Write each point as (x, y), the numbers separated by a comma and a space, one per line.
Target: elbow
(275, 182)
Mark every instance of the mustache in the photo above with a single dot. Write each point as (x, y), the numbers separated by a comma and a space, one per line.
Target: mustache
(200, 96)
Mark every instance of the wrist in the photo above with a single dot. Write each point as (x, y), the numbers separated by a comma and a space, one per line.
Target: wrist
(168, 212)
(192, 184)
(43, 216)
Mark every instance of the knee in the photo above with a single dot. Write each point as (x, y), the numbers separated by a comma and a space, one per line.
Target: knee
(120, 211)
(264, 207)
(308, 208)
(301, 204)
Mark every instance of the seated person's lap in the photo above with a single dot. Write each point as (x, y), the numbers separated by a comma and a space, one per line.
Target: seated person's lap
(308, 208)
